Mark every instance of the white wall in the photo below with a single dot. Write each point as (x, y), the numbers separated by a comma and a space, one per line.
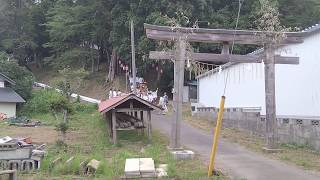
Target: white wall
(297, 86)
(8, 108)
(1, 83)
(185, 95)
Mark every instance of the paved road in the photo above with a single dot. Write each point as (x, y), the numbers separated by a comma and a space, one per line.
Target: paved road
(233, 159)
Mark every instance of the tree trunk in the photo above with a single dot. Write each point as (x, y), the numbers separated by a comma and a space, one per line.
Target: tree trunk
(92, 64)
(112, 66)
(37, 60)
(65, 116)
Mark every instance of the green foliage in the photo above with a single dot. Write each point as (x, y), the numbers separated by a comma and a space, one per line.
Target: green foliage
(62, 127)
(72, 80)
(85, 108)
(23, 78)
(43, 101)
(83, 33)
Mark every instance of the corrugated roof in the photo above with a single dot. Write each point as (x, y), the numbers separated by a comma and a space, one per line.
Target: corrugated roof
(9, 95)
(6, 78)
(107, 105)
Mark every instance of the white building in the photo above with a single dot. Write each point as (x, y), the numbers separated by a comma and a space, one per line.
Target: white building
(297, 86)
(8, 97)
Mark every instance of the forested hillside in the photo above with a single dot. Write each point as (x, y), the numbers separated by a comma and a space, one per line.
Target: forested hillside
(93, 34)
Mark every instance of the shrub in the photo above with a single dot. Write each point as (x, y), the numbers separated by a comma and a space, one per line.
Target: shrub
(82, 107)
(41, 102)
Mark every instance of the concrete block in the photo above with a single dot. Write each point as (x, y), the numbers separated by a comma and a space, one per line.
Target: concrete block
(132, 167)
(146, 165)
(185, 154)
(37, 164)
(15, 165)
(20, 153)
(4, 164)
(27, 165)
(161, 173)
(163, 166)
(93, 164)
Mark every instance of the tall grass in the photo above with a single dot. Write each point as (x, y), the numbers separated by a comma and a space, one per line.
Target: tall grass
(91, 141)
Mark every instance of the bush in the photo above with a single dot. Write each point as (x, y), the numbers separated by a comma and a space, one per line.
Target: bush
(87, 108)
(23, 77)
(41, 102)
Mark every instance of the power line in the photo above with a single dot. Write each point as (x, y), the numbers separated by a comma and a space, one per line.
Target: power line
(232, 47)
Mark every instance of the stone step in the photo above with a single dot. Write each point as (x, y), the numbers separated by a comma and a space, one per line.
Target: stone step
(146, 165)
(132, 167)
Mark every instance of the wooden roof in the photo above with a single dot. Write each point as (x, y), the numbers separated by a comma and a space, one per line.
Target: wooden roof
(214, 35)
(123, 102)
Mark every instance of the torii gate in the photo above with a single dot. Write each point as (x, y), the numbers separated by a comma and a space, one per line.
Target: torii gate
(182, 35)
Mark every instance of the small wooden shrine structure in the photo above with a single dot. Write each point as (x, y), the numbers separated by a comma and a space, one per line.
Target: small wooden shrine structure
(127, 112)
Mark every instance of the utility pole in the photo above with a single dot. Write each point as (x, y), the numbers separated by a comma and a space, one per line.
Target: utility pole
(133, 58)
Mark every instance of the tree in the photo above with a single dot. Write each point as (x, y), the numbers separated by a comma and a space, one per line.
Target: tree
(24, 78)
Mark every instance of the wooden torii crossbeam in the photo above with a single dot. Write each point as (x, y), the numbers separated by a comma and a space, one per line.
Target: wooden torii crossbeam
(182, 35)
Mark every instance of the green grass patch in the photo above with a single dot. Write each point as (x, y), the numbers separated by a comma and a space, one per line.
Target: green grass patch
(87, 138)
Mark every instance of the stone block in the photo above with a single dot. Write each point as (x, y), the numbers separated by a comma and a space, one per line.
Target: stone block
(146, 165)
(132, 167)
(27, 165)
(93, 165)
(15, 165)
(4, 165)
(185, 154)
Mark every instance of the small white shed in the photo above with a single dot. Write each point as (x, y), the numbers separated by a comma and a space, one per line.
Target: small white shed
(8, 97)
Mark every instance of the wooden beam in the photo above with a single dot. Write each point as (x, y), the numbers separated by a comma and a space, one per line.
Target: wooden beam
(224, 58)
(271, 122)
(149, 126)
(130, 110)
(114, 130)
(215, 35)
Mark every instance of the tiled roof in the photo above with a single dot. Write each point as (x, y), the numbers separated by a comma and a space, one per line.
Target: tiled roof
(107, 105)
(8, 95)
(103, 105)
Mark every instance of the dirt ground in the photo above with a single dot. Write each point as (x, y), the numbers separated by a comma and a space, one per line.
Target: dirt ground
(39, 135)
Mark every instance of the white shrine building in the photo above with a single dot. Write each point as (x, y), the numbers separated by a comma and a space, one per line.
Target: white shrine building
(297, 86)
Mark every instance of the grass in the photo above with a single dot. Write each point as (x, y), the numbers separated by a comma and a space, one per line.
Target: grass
(303, 156)
(87, 139)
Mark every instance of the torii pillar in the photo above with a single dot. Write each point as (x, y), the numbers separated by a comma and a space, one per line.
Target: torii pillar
(182, 35)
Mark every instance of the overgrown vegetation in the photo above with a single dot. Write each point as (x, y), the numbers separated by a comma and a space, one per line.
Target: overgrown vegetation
(87, 139)
(90, 33)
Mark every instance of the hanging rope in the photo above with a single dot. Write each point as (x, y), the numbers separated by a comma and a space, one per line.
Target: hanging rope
(232, 47)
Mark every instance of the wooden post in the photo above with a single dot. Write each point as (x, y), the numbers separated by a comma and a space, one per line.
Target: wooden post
(149, 126)
(225, 48)
(177, 94)
(133, 59)
(271, 121)
(141, 115)
(114, 127)
(143, 121)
